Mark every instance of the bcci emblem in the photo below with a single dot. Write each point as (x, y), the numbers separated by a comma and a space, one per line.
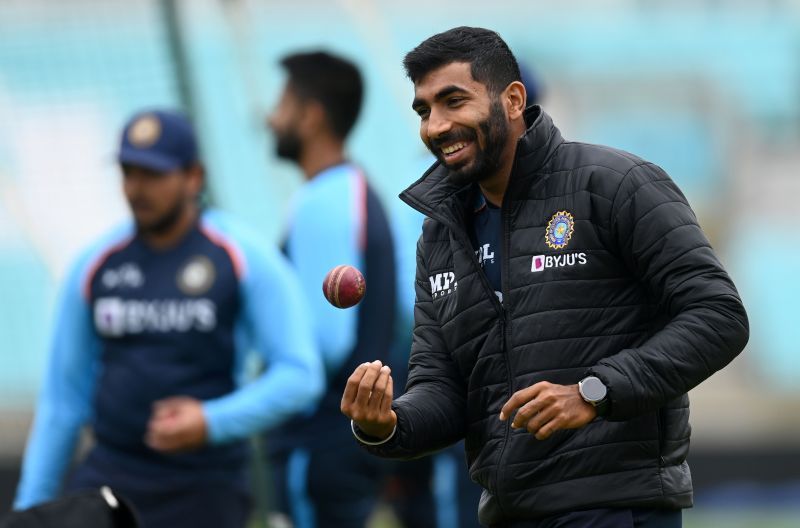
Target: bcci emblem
(559, 230)
(145, 131)
(197, 276)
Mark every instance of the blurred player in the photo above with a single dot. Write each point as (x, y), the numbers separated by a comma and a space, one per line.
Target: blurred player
(150, 336)
(322, 478)
(566, 302)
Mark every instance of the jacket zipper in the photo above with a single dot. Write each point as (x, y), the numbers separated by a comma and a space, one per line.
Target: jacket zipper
(463, 238)
(504, 278)
(503, 318)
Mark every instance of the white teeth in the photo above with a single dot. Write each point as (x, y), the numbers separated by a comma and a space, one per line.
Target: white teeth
(453, 148)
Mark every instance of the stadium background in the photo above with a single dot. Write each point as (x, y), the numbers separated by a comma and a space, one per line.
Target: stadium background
(709, 89)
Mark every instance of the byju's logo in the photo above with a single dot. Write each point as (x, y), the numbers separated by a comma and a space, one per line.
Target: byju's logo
(443, 284)
(543, 262)
(117, 317)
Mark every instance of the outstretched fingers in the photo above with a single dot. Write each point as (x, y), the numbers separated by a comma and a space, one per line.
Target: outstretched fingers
(367, 399)
(367, 384)
(379, 390)
(360, 386)
(386, 403)
(351, 388)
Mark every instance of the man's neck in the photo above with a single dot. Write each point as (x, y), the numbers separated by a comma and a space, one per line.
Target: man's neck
(170, 236)
(494, 187)
(322, 155)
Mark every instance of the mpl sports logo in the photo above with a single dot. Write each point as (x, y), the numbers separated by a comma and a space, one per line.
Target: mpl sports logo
(443, 284)
(543, 262)
(485, 254)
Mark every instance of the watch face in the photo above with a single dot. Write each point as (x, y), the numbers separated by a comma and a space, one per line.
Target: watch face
(593, 390)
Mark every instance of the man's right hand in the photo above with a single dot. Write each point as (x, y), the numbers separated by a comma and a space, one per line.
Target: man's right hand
(367, 399)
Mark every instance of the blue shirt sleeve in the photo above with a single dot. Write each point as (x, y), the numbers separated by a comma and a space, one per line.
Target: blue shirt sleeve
(275, 322)
(64, 404)
(406, 229)
(324, 231)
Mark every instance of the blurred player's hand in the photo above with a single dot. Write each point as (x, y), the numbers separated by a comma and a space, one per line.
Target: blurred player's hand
(545, 408)
(176, 424)
(367, 399)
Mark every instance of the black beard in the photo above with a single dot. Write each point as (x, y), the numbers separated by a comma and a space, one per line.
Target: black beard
(288, 145)
(165, 223)
(487, 159)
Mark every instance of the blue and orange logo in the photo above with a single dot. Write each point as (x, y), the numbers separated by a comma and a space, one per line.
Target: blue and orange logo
(559, 230)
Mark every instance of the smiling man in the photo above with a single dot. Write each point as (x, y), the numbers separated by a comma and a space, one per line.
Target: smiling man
(567, 301)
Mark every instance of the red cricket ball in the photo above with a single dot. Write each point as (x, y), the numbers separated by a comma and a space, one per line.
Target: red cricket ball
(344, 286)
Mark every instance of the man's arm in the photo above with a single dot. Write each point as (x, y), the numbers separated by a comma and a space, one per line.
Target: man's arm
(275, 317)
(325, 232)
(64, 404)
(432, 413)
(659, 239)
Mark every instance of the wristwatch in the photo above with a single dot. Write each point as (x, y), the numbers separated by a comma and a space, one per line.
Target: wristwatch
(595, 393)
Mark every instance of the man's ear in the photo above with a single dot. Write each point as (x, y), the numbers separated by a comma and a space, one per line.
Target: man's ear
(514, 97)
(313, 119)
(197, 178)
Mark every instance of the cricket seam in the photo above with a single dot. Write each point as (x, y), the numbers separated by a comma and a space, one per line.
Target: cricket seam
(338, 277)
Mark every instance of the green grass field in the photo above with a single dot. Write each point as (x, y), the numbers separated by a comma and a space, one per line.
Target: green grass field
(741, 518)
(693, 518)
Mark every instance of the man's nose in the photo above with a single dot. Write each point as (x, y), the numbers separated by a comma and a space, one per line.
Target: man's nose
(272, 120)
(438, 124)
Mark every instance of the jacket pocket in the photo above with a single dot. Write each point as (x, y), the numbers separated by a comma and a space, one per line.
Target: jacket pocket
(674, 433)
(661, 429)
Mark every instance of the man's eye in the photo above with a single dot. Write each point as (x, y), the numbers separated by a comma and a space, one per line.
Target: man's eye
(455, 101)
(423, 113)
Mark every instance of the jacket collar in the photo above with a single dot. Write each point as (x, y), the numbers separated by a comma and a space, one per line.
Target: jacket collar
(434, 192)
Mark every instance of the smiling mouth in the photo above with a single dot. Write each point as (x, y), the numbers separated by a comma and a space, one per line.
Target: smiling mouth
(455, 147)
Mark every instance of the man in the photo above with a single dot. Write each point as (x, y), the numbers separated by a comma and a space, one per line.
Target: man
(566, 303)
(149, 341)
(453, 499)
(321, 477)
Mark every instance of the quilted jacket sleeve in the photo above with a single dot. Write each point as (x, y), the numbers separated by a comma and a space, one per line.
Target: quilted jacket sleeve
(706, 325)
(432, 413)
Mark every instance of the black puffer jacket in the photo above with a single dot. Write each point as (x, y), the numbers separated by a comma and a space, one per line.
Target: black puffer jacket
(635, 296)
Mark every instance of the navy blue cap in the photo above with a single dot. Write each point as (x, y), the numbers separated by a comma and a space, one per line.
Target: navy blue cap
(158, 140)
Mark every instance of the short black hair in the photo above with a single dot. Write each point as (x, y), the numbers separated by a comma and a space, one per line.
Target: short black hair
(334, 82)
(491, 60)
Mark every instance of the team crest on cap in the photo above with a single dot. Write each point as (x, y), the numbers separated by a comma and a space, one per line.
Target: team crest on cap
(197, 276)
(144, 131)
(559, 230)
